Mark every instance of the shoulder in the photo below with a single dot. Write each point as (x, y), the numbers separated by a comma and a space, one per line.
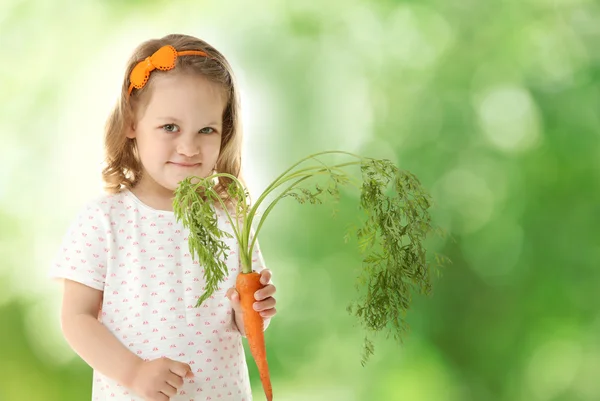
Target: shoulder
(103, 207)
(104, 202)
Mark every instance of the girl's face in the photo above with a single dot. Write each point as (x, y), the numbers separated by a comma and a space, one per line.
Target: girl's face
(178, 132)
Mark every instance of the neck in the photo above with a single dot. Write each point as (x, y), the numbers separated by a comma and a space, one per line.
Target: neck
(154, 197)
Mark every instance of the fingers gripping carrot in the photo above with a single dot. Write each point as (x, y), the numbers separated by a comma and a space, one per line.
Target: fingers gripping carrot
(246, 285)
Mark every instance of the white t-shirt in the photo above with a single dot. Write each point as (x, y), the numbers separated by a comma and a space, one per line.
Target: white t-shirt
(140, 258)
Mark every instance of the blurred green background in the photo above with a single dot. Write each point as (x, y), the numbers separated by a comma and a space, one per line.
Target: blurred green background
(494, 105)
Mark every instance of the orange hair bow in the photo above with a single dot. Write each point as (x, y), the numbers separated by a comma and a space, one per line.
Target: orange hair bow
(163, 59)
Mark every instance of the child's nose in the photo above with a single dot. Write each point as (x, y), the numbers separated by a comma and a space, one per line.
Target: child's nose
(188, 147)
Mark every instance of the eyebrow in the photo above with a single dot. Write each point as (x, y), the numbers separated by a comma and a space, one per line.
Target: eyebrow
(176, 120)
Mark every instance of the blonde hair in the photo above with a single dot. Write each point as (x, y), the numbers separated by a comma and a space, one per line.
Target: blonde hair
(123, 168)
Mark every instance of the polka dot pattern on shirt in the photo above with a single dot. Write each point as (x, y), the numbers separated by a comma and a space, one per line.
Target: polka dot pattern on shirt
(139, 257)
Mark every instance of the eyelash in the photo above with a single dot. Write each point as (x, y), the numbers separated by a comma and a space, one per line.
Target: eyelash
(168, 125)
(174, 125)
(213, 130)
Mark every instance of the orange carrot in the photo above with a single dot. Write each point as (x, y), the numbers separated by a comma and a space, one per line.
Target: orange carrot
(246, 285)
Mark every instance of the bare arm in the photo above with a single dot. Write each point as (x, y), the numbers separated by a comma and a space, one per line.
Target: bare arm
(90, 339)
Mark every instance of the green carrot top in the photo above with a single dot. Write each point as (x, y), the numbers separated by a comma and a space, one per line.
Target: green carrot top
(391, 237)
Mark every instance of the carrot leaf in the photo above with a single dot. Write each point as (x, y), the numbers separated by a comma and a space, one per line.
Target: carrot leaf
(391, 237)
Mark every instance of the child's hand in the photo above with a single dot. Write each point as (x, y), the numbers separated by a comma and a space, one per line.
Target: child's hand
(265, 304)
(159, 379)
(266, 301)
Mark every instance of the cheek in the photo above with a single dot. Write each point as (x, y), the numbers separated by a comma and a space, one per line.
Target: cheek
(216, 145)
(210, 147)
(152, 149)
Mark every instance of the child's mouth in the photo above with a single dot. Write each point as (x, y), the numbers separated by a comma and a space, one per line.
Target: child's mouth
(185, 165)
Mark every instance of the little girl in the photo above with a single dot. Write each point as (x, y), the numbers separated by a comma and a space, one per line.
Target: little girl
(130, 283)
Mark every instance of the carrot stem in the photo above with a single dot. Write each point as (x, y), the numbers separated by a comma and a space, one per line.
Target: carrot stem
(284, 193)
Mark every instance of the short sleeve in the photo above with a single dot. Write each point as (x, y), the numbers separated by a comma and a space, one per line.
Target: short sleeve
(83, 254)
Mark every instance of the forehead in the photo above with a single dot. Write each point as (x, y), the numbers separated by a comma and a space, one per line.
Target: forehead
(185, 96)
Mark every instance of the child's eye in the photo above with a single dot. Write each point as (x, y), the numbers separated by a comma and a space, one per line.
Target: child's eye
(170, 127)
(203, 130)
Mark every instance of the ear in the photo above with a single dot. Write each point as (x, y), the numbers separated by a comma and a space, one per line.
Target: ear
(131, 133)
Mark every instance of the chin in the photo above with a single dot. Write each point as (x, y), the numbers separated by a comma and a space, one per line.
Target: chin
(170, 187)
(174, 183)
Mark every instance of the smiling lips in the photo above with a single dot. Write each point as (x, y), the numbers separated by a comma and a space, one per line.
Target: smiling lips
(185, 165)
